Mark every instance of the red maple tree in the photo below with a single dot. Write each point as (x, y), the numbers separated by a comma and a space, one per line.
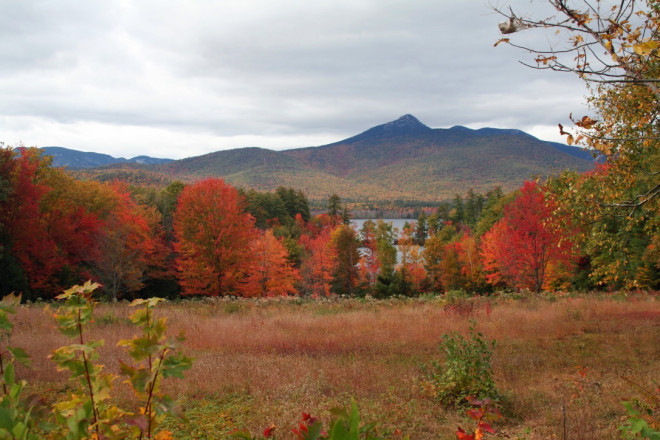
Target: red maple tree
(529, 245)
(48, 232)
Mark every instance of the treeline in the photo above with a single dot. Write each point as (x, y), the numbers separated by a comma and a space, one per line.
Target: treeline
(209, 238)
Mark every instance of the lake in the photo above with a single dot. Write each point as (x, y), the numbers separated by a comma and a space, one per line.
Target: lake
(396, 222)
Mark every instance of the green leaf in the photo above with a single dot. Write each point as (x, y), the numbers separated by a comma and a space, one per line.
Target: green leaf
(354, 421)
(20, 356)
(6, 420)
(19, 430)
(77, 290)
(174, 366)
(10, 302)
(649, 433)
(314, 431)
(5, 324)
(630, 409)
(9, 375)
(139, 378)
(636, 425)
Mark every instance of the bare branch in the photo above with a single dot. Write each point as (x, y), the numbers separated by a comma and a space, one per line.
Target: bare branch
(638, 201)
(604, 29)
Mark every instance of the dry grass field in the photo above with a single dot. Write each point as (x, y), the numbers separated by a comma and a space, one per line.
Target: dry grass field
(263, 362)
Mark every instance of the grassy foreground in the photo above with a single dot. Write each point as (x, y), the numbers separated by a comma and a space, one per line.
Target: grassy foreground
(560, 361)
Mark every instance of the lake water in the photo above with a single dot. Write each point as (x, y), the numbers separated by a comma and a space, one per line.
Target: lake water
(396, 222)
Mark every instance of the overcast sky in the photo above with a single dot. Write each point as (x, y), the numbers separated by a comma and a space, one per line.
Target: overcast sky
(182, 78)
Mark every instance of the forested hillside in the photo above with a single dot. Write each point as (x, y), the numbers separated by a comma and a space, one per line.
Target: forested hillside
(403, 160)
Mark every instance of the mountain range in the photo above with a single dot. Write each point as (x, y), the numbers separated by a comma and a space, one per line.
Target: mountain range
(65, 157)
(403, 160)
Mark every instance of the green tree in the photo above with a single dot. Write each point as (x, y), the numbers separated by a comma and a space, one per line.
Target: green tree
(457, 214)
(493, 209)
(385, 237)
(471, 208)
(267, 208)
(295, 202)
(166, 201)
(421, 231)
(334, 208)
(345, 274)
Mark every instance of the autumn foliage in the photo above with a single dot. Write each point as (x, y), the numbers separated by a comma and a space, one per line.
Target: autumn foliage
(62, 231)
(272, 273)
(200, 239)
(213, 236)
(528, 248)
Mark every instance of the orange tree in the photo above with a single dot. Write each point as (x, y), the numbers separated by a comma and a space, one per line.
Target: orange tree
(318, 262)
(615, 47)
(272, 273)
(213, 235)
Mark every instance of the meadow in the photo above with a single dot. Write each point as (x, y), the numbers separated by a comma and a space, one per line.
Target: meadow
(563, 363)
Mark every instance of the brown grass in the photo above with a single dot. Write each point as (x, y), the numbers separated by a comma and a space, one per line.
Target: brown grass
(287, 357)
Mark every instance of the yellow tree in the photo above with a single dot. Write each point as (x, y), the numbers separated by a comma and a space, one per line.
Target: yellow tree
(615, 47)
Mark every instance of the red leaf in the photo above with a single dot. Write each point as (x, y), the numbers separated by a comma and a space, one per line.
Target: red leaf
(269, 431)
(462, 435)
(486, 427)
(475, 413)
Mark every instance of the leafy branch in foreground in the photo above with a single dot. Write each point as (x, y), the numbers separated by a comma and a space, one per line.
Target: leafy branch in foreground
(20, 415)
(615, 47)
(643, 415)
(158, 358)
(90, 411)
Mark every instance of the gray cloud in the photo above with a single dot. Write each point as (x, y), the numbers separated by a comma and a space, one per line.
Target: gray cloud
(183, 78)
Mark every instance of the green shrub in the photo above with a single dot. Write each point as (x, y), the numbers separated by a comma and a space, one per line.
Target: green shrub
(466, 371)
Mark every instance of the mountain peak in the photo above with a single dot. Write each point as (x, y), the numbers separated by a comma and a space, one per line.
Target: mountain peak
(405, 125)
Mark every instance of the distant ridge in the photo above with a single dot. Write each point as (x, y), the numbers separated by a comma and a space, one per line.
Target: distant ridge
(403, 160)
(65, 157)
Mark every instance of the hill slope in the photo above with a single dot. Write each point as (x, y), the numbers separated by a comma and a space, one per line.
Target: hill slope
(401, 160)
(65, 157)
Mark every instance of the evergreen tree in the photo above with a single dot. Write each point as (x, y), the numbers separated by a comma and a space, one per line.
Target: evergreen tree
(421, 232)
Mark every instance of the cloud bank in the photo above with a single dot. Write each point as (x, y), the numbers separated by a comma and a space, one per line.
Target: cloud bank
(177, 79)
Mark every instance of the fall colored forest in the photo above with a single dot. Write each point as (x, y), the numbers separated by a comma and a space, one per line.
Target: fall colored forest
(211, 239)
